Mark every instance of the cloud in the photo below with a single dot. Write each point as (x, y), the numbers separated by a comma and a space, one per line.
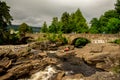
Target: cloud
(35, 12)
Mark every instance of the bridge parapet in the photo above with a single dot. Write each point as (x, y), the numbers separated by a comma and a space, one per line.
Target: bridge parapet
(94, 38)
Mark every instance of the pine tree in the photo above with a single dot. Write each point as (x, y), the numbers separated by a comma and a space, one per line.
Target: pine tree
(44, 28)
(5, 20)
(65, 20)
(81, 25)
(55, 26)
(117, 6)
(5, 17)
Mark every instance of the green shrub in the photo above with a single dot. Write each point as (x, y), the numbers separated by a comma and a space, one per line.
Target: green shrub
(42, 38)
(116, 69)
(117, 41)
(13, 38)
(80, 42)
(62, 38)
(57, 38)
(52, 37)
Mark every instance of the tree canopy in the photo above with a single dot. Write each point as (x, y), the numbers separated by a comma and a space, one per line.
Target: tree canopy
(5, 20)
(108, 22)
(23, 28)
(117, 6)
(68, 23)
(5, 17)
(44, 28)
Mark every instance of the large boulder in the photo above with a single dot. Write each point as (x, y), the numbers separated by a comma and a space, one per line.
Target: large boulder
(103, 56)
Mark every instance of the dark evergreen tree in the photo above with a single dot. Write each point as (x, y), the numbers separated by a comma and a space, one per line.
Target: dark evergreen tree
(44, 28)
(65, 20)
(5, 20)
(94, 26)
(72, 23)
(55, 26)
(117, 6)
(81, 25)
(5, 17)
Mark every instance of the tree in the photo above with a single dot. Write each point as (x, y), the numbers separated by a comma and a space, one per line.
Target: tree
(72, 23)
(5, 20)
(100, 25)
(113, 25)
(81, 25)
(111, 14)
(94, 26)
(30, 30)
(68, 23)
(5, 17)
(55, 26)
(23, 28)
(65, 23)
(44, 28)
(117, 6)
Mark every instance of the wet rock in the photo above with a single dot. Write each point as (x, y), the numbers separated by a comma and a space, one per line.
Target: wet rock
(6, 76)
(103, 76)
(60, 75)
(5, 62)
(74, 77)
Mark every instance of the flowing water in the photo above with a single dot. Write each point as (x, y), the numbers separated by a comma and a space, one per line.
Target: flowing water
(47, 74)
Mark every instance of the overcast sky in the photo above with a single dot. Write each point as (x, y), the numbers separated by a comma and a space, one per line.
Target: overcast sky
(35, 12)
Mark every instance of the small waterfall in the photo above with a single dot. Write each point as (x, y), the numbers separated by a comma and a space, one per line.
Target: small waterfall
(47, 74)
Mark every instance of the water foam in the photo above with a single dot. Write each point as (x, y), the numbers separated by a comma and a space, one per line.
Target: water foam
(44, 75)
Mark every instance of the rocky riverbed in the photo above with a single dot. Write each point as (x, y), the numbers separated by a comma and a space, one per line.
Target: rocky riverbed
(47, 61)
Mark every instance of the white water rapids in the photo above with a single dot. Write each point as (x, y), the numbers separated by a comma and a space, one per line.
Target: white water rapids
(47, 74)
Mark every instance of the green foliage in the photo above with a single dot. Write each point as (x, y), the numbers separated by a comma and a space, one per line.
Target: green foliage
(113, 25)
(44, 28)
(107, 23)
(117, 41)
(5, 20)
(80, 42)
(69, 23)
(30, 30)
(52, 37)
(3, 36)
(94, 26)
(116, 69)
(57, 38)
(117, 6)
(5, 17)
(62, 39)
(55, 26)
(23, 28)
(14, 37)
(65, 22)
(81, 25)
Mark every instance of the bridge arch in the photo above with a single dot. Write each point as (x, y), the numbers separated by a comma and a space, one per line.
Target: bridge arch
(80, 41)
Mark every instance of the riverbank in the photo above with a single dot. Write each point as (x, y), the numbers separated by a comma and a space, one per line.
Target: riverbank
(53, 62)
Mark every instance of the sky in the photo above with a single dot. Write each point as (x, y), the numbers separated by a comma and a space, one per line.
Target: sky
(35, 12)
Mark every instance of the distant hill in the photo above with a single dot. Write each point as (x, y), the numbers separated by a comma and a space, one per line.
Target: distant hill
(15, 27)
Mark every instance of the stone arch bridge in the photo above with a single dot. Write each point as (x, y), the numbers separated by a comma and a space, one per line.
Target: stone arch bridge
(94, 38)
